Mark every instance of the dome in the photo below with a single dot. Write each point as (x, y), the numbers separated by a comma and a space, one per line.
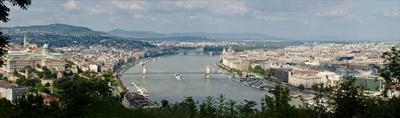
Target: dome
(45, 46)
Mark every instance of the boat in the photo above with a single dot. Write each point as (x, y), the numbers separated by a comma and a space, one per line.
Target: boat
(245, 83)
(263, 85)
(155, 59)
(144, 93)
(178, 76)
(141, 63)
(230, 77)
(141, 91)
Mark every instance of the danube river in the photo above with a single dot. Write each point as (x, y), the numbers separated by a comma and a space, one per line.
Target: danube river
(166, 86)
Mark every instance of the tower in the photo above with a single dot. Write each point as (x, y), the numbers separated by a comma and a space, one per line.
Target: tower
(208, 72)
(144, 72)
(45, 49)
(25, 41)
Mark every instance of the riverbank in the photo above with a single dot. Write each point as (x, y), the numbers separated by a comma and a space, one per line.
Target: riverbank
(132, 99)
(255, 82)
(122, 89)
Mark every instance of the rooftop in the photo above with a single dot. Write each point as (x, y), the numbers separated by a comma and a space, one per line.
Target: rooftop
(5, 84)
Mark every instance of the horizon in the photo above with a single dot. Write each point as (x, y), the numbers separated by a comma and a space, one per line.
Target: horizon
(352, 20)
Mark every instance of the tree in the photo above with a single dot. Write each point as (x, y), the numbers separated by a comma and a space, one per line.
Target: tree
(391, 70)
(258, 69)
(301, 86)
(33, 106)
(4, 10)
(7, 109)
(348, 98)
(165, 104)
(278, 106)
(207, 108)
(80, 95)
(247, 109)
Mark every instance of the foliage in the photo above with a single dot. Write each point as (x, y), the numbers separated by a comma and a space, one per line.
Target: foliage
(80, 94)
(30, 106)
(349, 100)
(391, 70)
(27, 82)
(259, 70)
(47, 73)
(6, 108)
(2, 77)
(4, 13)
(3, 44)
(301, 86)
(238, 72)
(321, 88)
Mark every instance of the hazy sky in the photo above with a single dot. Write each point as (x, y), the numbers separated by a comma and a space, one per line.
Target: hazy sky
(359, 19)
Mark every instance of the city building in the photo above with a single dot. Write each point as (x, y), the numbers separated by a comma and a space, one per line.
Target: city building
(31, 55)
(11, 91)
(303, 77)
(93, 68)
(306, 81)
(281, 74)
(318, 63)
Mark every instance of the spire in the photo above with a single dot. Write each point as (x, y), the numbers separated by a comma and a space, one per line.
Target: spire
(223, 51)
(25, 41)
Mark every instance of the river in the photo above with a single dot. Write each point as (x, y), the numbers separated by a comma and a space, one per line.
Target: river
(166, 86)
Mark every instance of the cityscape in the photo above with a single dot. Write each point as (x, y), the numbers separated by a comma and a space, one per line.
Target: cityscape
(195, 58)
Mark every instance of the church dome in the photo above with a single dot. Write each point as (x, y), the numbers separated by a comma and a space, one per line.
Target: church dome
(45, 46)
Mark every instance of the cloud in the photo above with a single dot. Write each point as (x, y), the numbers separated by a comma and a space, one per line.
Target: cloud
(191, 5)
(270, 16)
(220, 8)
(129, 5)
(236, 8)
(332, 9)
(71, 4)
(114, 7)
(395, 13)
(332, 12)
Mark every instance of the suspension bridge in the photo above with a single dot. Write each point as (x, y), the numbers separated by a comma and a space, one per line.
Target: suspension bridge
(147, 71)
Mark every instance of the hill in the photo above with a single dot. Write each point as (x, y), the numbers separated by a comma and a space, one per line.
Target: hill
(194, 35)
(135, 34)
(59, 29)
(60, 35)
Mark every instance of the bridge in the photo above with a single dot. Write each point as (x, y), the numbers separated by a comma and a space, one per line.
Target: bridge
(139, 73)
(208, 71)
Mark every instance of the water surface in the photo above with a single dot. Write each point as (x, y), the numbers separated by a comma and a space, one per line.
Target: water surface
(166, 86)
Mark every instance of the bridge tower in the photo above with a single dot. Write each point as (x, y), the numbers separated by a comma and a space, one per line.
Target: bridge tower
(144, 72)
(208, 72)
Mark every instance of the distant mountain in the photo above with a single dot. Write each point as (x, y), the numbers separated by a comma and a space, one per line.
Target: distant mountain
(60, 29)
(342, 38)
(231, 36)
(197, 35)
(135, 34)
(60, 35)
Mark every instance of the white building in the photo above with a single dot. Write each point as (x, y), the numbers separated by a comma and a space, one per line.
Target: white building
(94, 68)
(32, 55)
(306, 81)
(11, 91)
(329, 77)
(304, 77)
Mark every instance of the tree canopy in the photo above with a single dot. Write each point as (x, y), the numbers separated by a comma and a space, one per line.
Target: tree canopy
(391, 69)
(4, 13)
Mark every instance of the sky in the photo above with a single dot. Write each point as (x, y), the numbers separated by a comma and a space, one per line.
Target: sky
(345, 19)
